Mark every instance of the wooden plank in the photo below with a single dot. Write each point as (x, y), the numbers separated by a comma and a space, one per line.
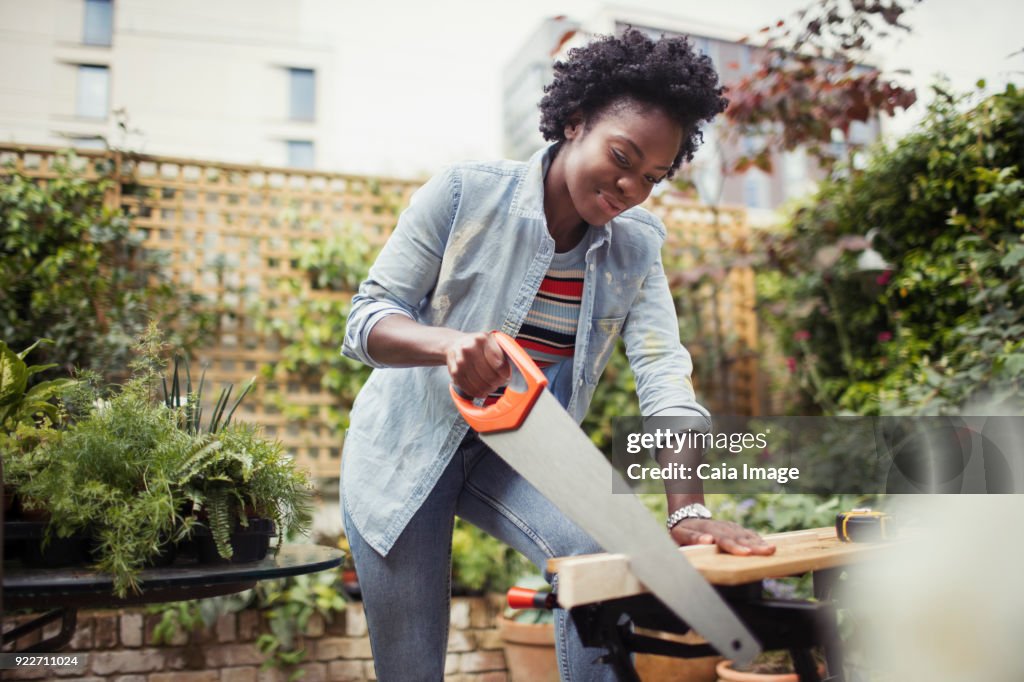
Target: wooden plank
(599, 577)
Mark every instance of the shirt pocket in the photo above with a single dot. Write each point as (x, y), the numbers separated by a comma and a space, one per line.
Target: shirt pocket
(603, 333)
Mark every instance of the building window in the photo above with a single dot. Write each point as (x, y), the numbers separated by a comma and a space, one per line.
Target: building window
(755, 189)
(98, 27)
(794, 173)
(93, 95)
(87, 142)
(300, 154)
(301, 94)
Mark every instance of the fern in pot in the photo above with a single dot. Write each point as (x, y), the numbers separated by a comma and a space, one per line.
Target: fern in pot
(245, 488)
(242, 487)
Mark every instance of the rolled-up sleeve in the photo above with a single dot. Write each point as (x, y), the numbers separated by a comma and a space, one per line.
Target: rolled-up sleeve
(407, 268)
(661, 364)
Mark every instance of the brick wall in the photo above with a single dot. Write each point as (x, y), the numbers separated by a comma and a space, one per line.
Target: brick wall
(120, 648)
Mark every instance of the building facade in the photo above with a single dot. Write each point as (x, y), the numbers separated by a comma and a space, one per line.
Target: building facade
(233, 80)
(793, 174)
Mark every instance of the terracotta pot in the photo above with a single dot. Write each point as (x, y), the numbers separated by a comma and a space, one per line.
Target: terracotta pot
(350, 585)
(652, 668)
(727, 674)
(529, 651)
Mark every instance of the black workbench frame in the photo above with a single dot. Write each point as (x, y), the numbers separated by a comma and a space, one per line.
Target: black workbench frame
(790, 624)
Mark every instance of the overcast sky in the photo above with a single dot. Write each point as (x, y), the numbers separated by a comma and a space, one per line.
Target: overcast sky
(425, 91)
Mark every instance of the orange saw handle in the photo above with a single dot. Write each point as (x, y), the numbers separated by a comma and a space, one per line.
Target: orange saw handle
(512, 408)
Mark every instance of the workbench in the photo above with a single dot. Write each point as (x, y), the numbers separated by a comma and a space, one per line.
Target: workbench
(613, 610)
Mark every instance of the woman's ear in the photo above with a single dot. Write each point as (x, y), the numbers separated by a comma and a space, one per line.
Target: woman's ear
(574, 126)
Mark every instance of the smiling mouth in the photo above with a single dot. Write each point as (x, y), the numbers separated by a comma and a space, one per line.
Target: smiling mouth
(612, 206)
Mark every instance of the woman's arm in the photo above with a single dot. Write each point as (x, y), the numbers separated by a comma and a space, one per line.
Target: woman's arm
(662, 367)
(406, 269)
(730, 537)
(475, 361)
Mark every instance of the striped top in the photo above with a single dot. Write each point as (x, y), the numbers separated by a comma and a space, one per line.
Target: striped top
(548, 334)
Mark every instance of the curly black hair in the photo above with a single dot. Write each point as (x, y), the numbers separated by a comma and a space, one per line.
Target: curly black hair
(612, 71)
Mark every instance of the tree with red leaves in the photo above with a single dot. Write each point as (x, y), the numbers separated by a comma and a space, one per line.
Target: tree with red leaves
(811, 79)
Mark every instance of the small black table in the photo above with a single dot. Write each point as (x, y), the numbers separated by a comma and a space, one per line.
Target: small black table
(66, 590)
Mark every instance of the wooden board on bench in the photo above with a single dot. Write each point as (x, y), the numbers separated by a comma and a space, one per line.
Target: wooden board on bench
(599, 577)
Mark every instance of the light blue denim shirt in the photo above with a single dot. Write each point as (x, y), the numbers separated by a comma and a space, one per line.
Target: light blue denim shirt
(469, 253)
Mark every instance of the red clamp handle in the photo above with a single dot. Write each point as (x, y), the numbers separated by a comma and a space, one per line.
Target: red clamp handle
(525, 598)
(512, 408)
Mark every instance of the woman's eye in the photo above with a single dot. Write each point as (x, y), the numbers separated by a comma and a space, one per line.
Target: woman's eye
(652, 180)
(623, 161)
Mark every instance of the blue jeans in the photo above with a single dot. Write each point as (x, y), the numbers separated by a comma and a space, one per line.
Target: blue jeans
(407, 594)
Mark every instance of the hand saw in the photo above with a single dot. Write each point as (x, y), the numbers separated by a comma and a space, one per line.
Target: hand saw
(532, 432)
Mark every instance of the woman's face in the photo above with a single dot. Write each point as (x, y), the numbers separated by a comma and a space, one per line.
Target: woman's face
(614, 160)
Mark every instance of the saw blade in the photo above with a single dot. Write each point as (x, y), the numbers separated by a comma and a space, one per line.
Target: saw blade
(551, 452)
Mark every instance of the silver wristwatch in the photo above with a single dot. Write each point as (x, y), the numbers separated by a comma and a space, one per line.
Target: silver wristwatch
(690, 511)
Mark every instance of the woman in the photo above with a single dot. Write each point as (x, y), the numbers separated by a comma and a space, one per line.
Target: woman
(555, 253)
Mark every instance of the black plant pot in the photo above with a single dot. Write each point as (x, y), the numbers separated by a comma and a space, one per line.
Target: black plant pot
(165, 557)
(24, 540)
(247, 543)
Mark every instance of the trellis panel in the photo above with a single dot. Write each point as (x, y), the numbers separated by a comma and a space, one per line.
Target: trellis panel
(232, 232)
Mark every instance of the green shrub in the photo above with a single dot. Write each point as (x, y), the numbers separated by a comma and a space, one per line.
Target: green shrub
(941, 328)
(75, 272)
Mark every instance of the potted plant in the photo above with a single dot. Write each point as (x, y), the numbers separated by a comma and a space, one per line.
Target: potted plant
(241, 487)
(770, 666)
(349, 580)
(677, 669)
(529, 637)
(110, 475)
(245, 489)
(137, 475)
(28, 413)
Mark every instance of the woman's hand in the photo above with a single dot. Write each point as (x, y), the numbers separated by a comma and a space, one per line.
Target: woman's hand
(477, 364)
(730, 537)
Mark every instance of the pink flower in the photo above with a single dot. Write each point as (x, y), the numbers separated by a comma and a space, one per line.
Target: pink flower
(883, 278)
(791, 364)
(801, 335)
(884, 337)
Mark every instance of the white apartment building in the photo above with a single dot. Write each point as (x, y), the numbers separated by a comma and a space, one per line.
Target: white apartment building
(241, 81)
(793, 173)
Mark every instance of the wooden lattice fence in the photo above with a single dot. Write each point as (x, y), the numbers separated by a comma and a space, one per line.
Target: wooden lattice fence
(232, 232)
(706, 258)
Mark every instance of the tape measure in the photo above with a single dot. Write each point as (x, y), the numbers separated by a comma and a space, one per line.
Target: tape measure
(863, 525)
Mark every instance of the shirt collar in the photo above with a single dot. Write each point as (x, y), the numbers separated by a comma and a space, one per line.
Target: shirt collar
(528, 200)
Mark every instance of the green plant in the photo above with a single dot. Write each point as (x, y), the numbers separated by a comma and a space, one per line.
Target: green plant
(311, 332)
(184, 617)
(237, 473)
(940, 326)
(75, 272)
(28, 415)
(481, 562)
(192, 401)
(287, 605)
(111, 474)
(20, 403)
(127, 467)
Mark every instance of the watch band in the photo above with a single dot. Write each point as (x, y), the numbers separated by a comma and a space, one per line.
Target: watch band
(690, 511)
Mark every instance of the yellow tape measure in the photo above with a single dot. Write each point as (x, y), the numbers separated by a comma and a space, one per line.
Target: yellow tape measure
(863, 525)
